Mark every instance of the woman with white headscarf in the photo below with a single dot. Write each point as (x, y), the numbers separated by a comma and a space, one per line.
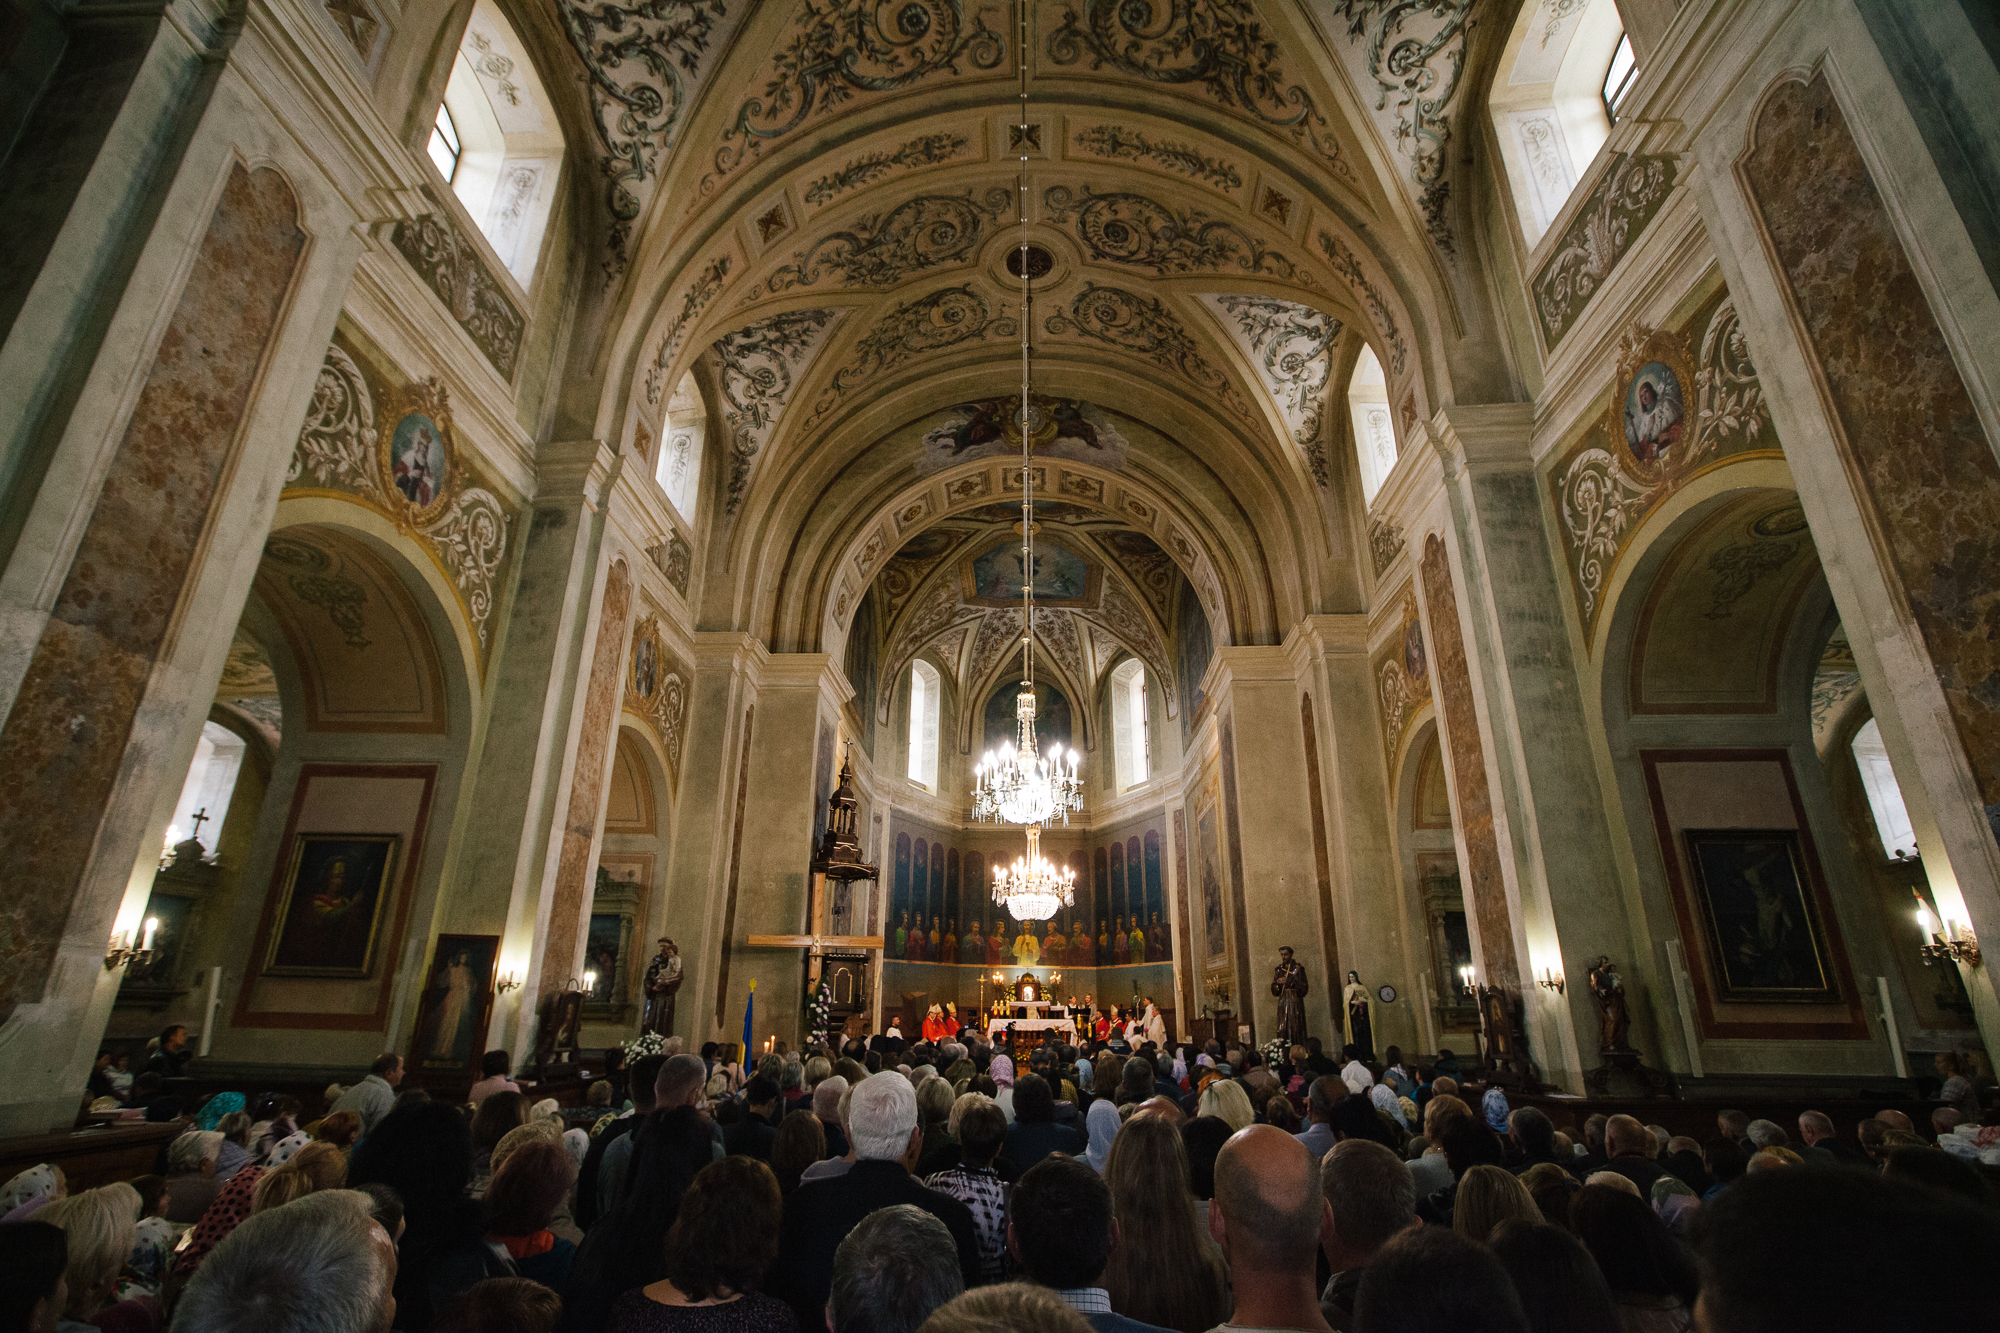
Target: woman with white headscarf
(1383, 1097)
(1103, 1123)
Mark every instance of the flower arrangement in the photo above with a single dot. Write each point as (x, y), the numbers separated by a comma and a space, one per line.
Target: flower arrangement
(643, 1045)
(1274, 1053)
(819, 1009)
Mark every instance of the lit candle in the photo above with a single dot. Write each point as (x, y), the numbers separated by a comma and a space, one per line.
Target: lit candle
(152, 925)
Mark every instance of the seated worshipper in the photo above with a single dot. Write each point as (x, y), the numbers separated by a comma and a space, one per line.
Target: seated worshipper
(371, 1098)
(1465, 1146)
(1487, 1196)
(1354, 1073)
(283, 1122)
(722, 1242)
(1652, 1279)
(1558, 1283)
(493, 1067)
(1552, 1188)
(752, 1135)
(1103, 1124)
(32, 1190)
(1135, 1081)
(1773, 1159)
(934, 1104)
(1431, 1279)
(501, 1305)
(342, 1129)
(315, 1167)
(1839, 1251)
(800, 1143)
(1592, 1156)
(679, 1083)
(645, 1071)
(891, 1272)
(1725, 1162)
(1060, 1231)
(1227, 1101)
(1370, 1199)
(1034, 1133)
(1941, 1170)
(1631, 1148)
(1957, 1092)
(1172, 1275)
(830, 1167)
(33, 1288)
(627, 1246)
(191, 1182)
(497, 1114)
(1006, 1308)
(1203, 1138)
(973, 1182)
(1268, 1216)
(1534, 1135)
(321, 1265)
(99, 1227)
(527, 1189)
(882, 1112)
(233, 1203)
(1278, 1113)
(826, 1105)
(424, 1153)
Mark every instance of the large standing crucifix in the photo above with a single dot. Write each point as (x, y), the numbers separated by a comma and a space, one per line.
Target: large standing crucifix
(817, 941)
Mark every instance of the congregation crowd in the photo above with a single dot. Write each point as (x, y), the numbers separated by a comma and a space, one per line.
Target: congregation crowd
(953, 1186)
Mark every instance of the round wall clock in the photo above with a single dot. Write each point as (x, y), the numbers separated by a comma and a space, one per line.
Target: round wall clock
(1386, 995)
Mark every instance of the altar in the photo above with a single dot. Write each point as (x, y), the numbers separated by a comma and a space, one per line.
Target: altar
(1043, 1023)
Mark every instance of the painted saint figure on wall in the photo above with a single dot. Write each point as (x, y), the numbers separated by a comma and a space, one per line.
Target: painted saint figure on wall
(455, 1011)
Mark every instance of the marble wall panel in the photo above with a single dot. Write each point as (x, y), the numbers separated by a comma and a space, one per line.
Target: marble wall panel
(65, 739)
(1233, 823)
(579, 830)
(1923, 468)
(1483, 883)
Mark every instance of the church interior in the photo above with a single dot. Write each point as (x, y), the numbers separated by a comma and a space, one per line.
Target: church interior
(1514, 486)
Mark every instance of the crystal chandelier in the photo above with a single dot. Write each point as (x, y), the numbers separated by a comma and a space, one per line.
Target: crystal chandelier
(1031, 888)
(1019, 786)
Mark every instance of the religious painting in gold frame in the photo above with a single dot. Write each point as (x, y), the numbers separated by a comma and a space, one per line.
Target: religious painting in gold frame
(330, 911)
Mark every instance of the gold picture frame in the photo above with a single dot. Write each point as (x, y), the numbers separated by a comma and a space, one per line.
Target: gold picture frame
(329, 918)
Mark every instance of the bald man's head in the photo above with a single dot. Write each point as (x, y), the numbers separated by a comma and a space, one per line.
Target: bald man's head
(1267, 1189)
(680, 1082)
(1162, 1106)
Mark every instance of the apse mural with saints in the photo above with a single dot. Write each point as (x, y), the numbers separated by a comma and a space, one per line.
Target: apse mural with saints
(946, 938)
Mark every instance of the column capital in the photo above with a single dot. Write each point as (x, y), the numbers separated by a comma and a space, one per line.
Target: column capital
(569, 470)
(1248, 664)
(730, 650)
(1321, 636)
(802, 671)
(1485, 437)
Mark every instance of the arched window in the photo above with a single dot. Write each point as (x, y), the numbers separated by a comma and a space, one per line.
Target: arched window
(211, 780)
(1562, 75)
(1885, 797)
(1131, 724)
(496, 141)
(1374, 432)
(679, 467)
(926, 693)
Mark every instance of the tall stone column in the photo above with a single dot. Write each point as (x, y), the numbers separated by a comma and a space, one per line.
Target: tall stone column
(1346, 784)
(1541, 875)
(743, 841)
(1835, 200)
(542, 733)
(1274, 895)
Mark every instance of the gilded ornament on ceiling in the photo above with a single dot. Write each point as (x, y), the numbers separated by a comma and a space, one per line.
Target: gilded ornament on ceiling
(1121, 227)
(1114, 141)
(883, 249)
(926, 150)
(1292, 347)
(700, 292)
(1143, 326)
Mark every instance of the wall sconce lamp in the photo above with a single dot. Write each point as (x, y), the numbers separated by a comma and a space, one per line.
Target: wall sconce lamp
(1468, 984)
(1550, 981)
(508, 981)
(121, 951)
(1948, 942)
(589, 983)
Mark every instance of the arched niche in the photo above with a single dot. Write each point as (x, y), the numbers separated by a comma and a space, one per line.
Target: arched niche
(629, 881)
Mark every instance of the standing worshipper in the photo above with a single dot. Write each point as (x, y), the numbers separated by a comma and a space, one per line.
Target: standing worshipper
(1289, 984)
(982, 1129)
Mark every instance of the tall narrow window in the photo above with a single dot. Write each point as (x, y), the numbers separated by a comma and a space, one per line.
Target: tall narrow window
(679, 467)
(926, 692)
(444, 144)
(1885, 797)
(1618, 78)
(211, 780)
(1130, 742)
(1374, 435)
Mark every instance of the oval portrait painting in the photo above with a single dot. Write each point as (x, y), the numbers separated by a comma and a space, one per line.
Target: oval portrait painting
(417, 460)
(1653, 414)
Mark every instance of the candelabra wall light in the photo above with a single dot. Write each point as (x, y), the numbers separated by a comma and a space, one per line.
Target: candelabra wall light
(508, 981)
(1948, 941)
(1468, 984)
(121, 952)
(1550, 980)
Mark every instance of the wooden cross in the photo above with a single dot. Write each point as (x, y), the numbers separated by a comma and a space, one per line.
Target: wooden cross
(815, 944)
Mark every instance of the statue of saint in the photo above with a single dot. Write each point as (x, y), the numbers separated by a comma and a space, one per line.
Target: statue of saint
(1360, 1021)
(1607, 991)
(1289, 984)
(663, 982)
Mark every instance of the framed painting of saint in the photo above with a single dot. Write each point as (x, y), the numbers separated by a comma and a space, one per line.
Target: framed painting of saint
(330, 912)
(1764, 931)
(457, 1003)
